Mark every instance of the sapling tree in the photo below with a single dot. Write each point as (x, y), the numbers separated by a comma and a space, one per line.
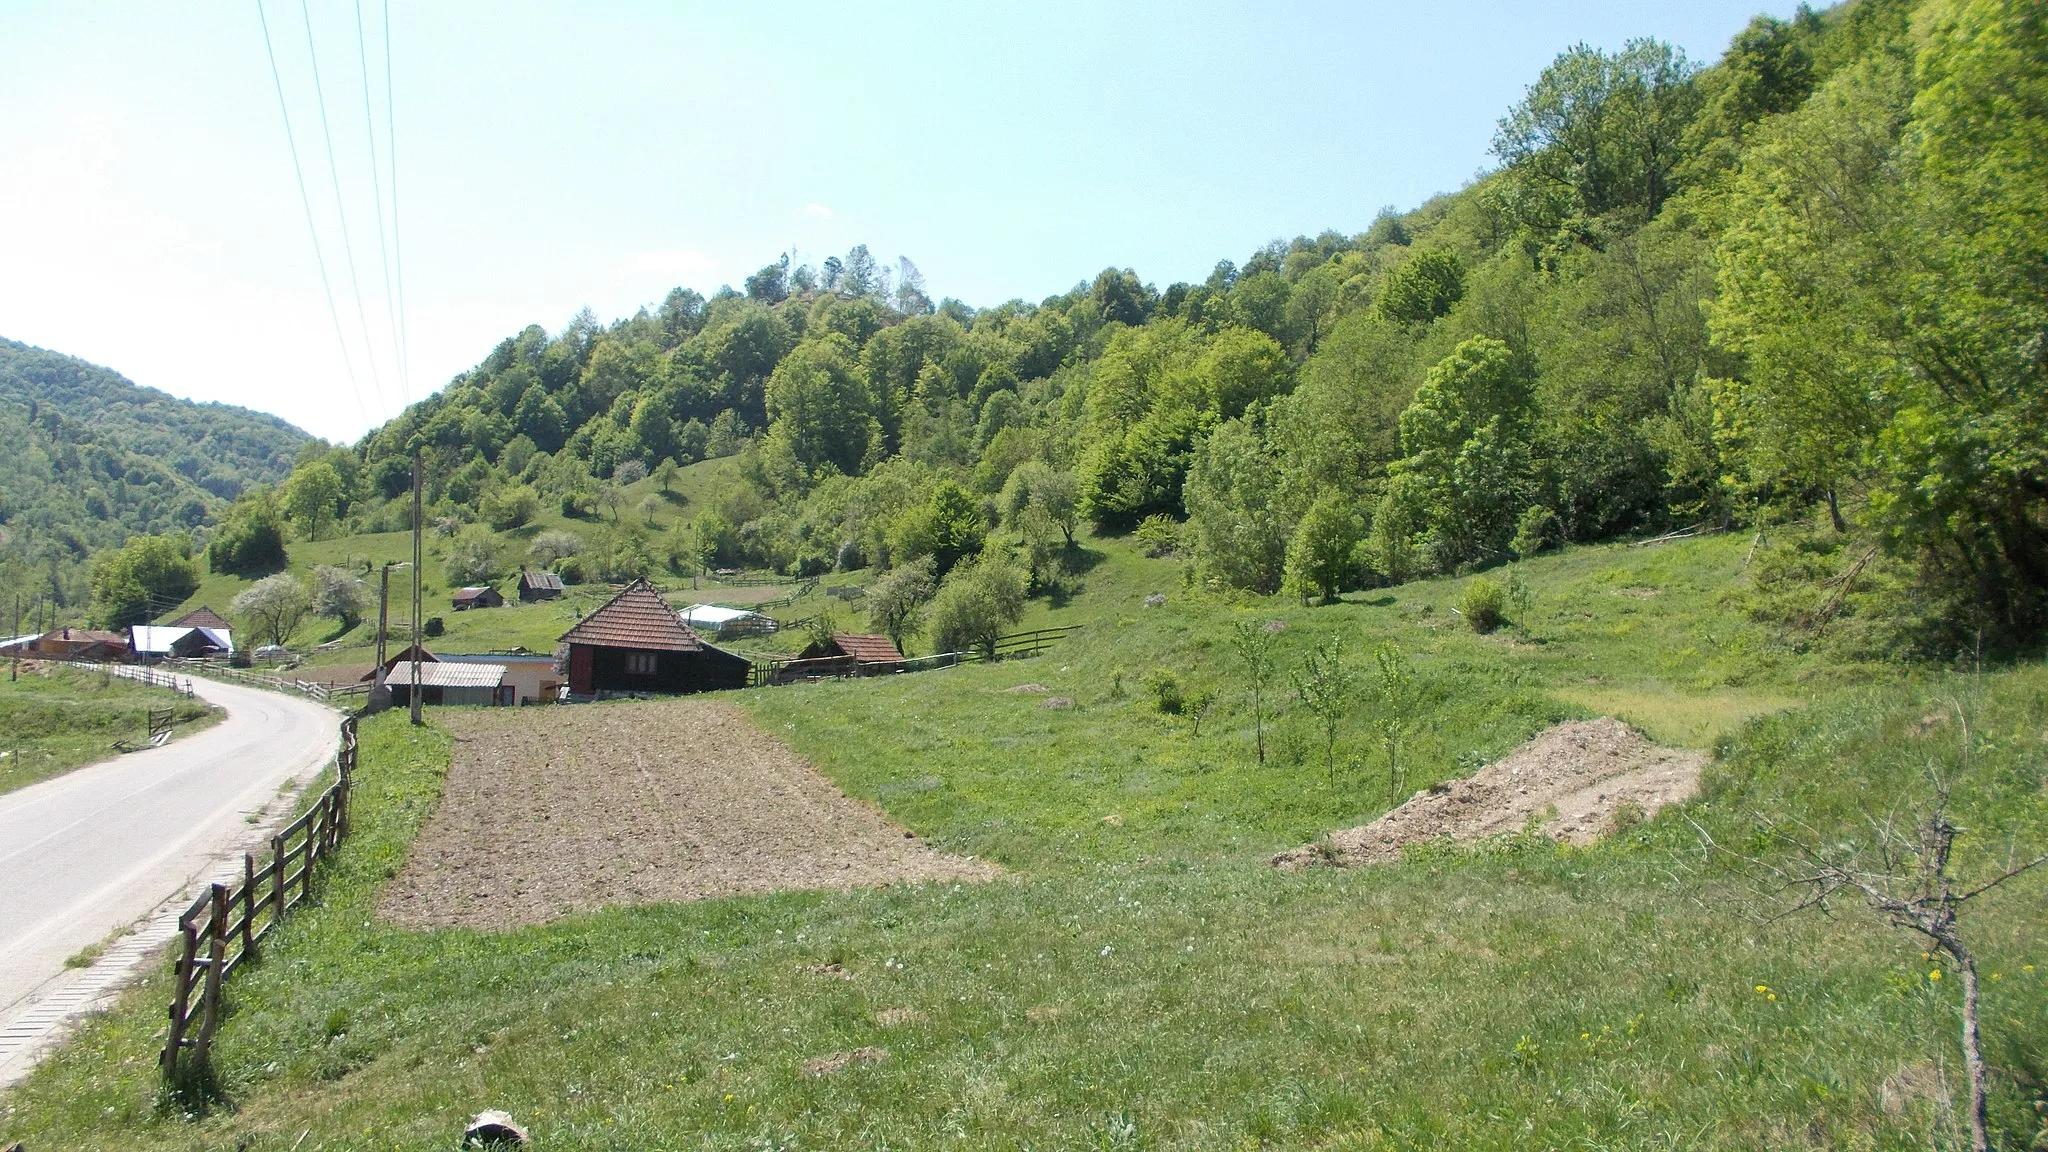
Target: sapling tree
(1903, 870)
(1325, 687)
(1255, 643)
(1392, 699)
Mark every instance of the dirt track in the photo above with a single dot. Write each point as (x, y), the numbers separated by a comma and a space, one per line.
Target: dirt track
(556, 810)
(1584, 769)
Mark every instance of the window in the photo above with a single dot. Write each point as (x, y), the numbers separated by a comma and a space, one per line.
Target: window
(640, 663)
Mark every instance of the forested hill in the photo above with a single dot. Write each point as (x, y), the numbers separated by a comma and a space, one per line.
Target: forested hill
(93, 458)
(1795, 292)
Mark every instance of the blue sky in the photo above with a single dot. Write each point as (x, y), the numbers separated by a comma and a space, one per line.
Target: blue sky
(555, 157)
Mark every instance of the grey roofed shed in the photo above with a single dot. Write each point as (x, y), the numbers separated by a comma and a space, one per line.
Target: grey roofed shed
(449, 682)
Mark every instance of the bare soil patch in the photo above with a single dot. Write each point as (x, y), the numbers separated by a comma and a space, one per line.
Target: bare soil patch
(1586, 770)
(550, 811)
(840, 1061)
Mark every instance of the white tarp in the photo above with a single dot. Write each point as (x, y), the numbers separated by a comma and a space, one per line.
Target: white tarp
(712, 616)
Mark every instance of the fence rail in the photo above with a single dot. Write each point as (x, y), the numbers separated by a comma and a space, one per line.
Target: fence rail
(225, 927)
(784, 670)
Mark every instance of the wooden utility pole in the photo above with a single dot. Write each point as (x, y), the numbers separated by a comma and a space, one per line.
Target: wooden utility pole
(14, 648)
(383, 617)
(415, 701)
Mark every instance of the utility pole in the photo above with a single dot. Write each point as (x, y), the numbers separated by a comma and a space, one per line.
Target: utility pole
(383, 616)
(14, 647)
(415, 701)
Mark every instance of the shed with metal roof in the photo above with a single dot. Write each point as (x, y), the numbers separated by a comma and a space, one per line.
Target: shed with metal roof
(451, 682)
(636, 643)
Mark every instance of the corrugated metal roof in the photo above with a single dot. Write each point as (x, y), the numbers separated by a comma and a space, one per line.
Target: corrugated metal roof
(448, 674)
(540, 581)
(157, 639)
(636, 618)
(472, 593)
(865, 648)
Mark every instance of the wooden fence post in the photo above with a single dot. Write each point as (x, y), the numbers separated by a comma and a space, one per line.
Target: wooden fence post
(181, 999)
(277, 897)
(216, 956)
(248, 905)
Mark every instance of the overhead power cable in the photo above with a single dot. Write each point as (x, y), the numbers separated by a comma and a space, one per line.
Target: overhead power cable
(377, 195)
(397, 253)
(312, 229)
(340, 207)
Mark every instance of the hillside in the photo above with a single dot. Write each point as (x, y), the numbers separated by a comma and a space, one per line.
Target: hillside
(95, 458)
(1612, 332)
(1140, 977)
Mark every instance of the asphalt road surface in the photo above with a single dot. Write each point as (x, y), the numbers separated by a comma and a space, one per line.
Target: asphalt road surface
(90, 852)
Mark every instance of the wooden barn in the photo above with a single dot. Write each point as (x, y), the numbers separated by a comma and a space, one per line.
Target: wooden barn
(843, 654)
(202, 617)
(539, 586)
(481, 596)
(637, 643)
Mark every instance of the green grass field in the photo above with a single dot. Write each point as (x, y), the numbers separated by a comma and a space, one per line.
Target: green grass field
(1148, 981)
(54, 719)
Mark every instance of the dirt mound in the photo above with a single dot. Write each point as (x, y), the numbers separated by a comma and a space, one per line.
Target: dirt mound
(555, 810)
(1585, 769)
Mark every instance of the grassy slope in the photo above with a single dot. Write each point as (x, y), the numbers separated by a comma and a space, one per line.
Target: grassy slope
(534, 627)
(1152, 984)
(55, 719)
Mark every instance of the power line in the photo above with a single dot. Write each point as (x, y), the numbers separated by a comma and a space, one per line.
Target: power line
(377, 190)
(397, 253)
(340, 207)
(312, 229)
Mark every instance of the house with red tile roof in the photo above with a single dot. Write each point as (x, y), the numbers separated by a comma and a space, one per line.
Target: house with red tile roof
(636, 643)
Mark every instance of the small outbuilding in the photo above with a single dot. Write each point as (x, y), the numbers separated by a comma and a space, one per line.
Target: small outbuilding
(167, 641)
(861, 648)
(842, 654)
(481, 596)
(81, 644)
(636, 643)
(202, 617)
(534, 586)
(477, 681)
(529, 678)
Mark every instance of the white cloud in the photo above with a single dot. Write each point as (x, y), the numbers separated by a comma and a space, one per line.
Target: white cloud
(817, 210)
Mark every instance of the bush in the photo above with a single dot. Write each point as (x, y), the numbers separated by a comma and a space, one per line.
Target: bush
(433, 627)
(511, 507)
(1166, 691)
(1159, 535)
(1483, 603)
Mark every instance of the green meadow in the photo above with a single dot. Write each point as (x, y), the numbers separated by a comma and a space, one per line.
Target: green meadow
(1140, 977)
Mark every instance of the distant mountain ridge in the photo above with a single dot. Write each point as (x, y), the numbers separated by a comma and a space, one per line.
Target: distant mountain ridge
(92, 458)
(218, 447)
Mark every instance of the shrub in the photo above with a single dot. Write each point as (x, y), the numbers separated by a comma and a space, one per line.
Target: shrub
(1158, 534)
(433, 627)
(1166, 691)
(630, 472)
(1483, 603)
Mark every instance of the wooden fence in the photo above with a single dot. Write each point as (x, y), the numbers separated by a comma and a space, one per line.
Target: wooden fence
(225, 927)
(312, 690)
(785, 671)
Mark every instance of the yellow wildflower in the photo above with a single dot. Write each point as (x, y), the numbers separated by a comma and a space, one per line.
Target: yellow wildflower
(1935, 974)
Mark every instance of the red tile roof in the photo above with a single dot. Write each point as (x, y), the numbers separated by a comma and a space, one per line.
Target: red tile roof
(636, 618)
(200, 617)
(866, 649)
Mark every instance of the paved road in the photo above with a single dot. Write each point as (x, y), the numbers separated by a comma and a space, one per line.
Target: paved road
(92, 851)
